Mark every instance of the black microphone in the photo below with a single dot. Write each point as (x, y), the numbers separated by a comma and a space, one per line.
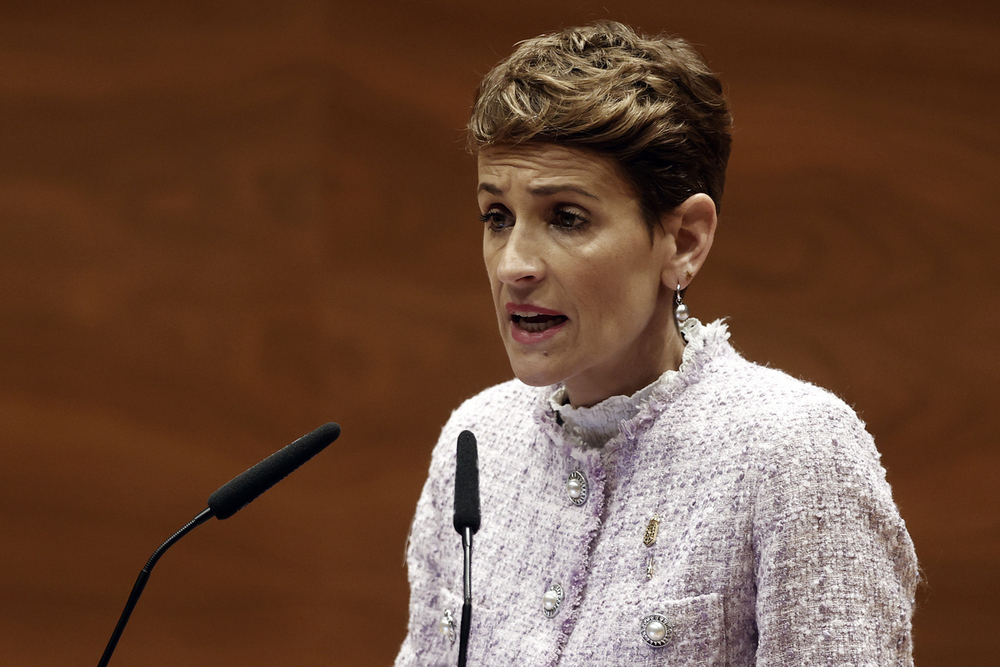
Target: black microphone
(229, 499)
(467, 483)
(243, 489)
(467, 518)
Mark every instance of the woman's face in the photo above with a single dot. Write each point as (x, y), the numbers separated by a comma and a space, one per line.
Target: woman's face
(579, 287)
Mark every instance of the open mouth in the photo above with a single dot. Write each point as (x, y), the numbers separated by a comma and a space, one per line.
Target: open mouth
(537, 323)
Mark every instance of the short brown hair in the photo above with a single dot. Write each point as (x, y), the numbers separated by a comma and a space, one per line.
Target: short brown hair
(651, 104)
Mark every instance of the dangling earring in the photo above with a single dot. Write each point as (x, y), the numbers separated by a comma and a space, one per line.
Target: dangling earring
(680, 308)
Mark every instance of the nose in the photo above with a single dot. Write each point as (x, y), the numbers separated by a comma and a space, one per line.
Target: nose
(520, 258)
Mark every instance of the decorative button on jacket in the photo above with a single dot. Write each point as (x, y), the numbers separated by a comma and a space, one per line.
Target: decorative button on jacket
(776, 539)
(576, 487)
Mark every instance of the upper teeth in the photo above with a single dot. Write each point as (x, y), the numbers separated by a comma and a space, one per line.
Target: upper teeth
(526, 313)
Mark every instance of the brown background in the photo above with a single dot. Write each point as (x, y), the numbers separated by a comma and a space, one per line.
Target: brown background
(226, 223)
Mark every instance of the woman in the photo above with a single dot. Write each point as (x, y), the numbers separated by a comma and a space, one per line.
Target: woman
(648, 496)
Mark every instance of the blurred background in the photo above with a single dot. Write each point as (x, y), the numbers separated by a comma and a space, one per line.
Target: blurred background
(225, 223)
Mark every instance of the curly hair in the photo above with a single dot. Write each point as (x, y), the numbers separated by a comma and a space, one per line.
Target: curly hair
(650, 104)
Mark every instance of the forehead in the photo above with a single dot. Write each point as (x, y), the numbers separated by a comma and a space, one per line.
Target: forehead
(546, 164)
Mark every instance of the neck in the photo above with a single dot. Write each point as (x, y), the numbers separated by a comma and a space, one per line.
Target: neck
(663, 352)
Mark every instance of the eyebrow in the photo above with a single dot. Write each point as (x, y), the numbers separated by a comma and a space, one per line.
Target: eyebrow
(541, 191)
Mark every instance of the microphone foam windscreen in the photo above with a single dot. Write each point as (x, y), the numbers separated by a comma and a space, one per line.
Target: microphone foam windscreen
(241, 490)
(467, 483)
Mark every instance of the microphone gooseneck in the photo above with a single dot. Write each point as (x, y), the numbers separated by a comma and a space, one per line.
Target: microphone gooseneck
(467, 520)
(230, 498)
(140, 583)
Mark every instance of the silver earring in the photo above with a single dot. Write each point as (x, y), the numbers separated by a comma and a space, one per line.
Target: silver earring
(680, 308)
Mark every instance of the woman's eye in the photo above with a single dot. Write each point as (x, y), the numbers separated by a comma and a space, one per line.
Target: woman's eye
(569, 219)
(495, 219)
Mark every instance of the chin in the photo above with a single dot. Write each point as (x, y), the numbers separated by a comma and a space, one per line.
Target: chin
(534, 374)
(533, 381)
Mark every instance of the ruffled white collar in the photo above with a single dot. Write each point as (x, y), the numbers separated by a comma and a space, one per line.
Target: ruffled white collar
(594, 426)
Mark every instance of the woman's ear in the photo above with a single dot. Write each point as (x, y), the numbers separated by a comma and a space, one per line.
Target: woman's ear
(692, 227)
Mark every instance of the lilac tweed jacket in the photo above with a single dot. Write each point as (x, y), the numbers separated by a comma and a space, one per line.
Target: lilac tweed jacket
(778, 541)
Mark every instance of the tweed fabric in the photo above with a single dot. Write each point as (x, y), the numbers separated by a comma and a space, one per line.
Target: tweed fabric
(779, 543)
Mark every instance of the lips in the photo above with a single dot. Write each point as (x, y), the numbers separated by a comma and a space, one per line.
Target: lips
(533, 324)
(538, 322)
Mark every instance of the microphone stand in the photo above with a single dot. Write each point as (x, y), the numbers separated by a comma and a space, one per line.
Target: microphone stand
(140, 582)
(463, 636)
(467, 519)
(229, 499)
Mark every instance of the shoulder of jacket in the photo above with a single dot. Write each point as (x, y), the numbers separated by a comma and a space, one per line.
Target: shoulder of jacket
(758, 388)
(509, 395)
(776, 415)
(484, 411)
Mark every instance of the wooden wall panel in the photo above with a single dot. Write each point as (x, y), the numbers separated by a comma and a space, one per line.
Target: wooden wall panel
(223, 225)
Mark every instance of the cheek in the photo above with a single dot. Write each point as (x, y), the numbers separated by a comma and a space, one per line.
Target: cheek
(489, 261)
(598, 296)
(620, 294)
(495, 283)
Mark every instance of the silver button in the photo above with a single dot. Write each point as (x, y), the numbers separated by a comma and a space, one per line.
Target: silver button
(552, 600)
(656, 630)
(576, 487)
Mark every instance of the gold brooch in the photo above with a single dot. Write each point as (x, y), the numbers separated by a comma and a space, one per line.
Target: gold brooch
(651, 530)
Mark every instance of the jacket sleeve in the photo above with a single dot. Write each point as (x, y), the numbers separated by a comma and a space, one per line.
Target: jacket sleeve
(836, 570)
(430, 558)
